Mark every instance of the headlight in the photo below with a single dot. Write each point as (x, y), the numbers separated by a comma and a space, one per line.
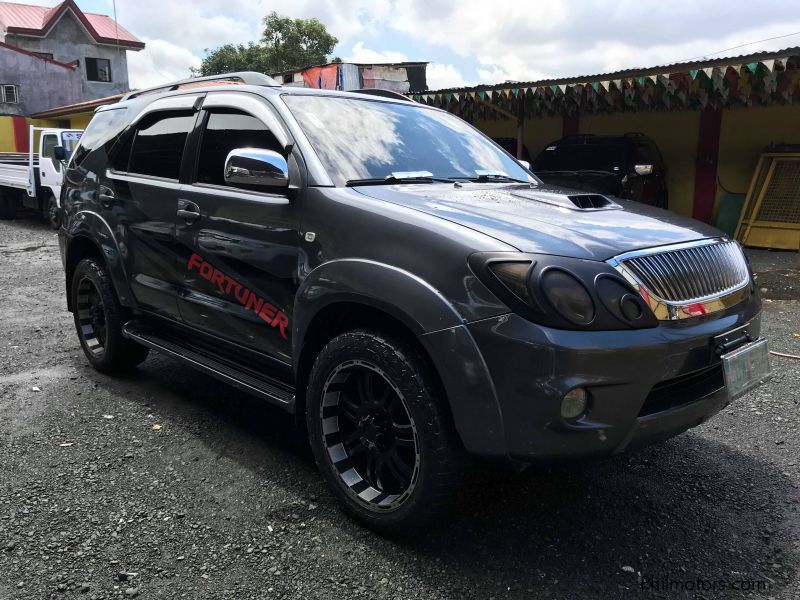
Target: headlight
(564, 293)
(568, 296)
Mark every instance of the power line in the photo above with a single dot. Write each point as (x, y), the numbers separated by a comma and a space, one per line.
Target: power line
(777, 37)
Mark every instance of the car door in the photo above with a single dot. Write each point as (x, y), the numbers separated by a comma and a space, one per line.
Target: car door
(140, 199)
(238, 245)
(49, 167)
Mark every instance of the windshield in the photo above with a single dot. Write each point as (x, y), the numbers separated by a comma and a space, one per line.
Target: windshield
(372, 140)
(69, 140)
(581, 157)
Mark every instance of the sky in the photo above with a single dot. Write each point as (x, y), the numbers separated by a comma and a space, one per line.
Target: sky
(466, 41)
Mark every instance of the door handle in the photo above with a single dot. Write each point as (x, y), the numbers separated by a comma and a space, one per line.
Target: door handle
(188, 215)
(106, 199)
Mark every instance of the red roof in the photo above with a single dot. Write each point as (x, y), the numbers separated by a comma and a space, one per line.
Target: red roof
(27, 19)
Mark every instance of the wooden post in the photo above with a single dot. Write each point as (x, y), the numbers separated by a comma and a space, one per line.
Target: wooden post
(705, 173)
(520, 128)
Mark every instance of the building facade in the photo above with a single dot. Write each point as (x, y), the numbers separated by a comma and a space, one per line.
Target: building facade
(56, 56)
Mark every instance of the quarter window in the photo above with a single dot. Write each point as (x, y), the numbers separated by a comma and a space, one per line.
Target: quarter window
(98, 69)
(159, 142)
(227, 129)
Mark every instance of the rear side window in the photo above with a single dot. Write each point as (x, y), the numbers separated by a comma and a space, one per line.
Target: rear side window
(100, 135)
(226, 130)
(158, 144)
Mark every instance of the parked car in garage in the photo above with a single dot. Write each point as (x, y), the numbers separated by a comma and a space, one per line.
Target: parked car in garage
(389, 275)
(628, 166)
(510, 145)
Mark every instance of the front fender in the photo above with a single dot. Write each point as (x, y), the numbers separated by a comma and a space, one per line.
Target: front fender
(92, 227)
(433, 320)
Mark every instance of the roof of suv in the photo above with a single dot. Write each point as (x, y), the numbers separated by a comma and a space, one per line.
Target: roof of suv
(251, 82)
(590, 138)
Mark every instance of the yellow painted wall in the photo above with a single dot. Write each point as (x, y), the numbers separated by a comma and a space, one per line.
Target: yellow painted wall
(538, 132)
(675, 132)
(745, 132)
(7, 135)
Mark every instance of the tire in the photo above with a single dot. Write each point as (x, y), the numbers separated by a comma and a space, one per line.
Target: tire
(8, 206)
(387, 447)
(52, 213)
(99, 318)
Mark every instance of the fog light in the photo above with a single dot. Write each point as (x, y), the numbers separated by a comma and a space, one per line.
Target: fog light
(574, 403)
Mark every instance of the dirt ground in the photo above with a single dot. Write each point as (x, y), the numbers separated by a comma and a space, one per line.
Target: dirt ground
(168, 484)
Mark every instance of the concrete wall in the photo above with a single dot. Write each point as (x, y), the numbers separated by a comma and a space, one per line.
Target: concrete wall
(68, 41)
(538, 132)
(745, 132)
(42, 85)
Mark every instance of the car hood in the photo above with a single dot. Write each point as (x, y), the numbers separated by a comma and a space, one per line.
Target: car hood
(544, 219)
(592, 181)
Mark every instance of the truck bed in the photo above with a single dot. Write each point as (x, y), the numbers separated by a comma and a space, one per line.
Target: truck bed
(14, 170)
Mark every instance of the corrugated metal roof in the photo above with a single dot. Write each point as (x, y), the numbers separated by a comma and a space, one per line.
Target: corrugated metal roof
(634, 72)
(79, 107)
(29, 19)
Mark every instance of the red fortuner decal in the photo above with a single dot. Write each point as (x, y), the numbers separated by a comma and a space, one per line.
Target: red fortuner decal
(250, 300)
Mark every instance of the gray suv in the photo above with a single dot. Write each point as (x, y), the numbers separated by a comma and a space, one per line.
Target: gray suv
(399, 282)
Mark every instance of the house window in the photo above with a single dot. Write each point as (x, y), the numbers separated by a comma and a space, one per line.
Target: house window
(98, 69)
(9, 94)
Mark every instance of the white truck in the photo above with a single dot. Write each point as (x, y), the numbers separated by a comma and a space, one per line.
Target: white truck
(33, 179)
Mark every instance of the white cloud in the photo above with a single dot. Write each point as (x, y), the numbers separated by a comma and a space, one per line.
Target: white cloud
(360, 54)
(444, 76)
(159, 63)
(505, 40)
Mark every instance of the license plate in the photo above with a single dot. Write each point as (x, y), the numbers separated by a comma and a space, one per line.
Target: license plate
(746, 367)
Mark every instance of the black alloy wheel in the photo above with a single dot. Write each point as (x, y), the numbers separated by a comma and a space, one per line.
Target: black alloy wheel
(370, 436)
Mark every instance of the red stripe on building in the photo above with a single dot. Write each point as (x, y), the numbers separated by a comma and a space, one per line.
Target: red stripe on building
(20, 134)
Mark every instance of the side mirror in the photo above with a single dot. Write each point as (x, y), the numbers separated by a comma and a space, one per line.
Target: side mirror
(257, 168)
(643, 169)
(525, 164)
(60, 153)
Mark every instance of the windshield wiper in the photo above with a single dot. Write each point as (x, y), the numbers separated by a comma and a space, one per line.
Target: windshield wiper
(400, 177)
(494, 176)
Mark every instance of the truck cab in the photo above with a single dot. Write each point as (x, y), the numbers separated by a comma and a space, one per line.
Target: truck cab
(33, 179)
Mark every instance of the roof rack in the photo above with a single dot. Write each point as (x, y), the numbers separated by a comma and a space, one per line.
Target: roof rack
(243, 77)
(382, 93)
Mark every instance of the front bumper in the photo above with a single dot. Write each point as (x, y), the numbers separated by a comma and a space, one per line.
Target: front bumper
(645, 385)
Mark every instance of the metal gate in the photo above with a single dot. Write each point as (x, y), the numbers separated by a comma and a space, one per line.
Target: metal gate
(771, 213)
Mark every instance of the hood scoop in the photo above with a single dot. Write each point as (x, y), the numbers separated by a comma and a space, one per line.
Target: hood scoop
(572, 201)
(591, 201)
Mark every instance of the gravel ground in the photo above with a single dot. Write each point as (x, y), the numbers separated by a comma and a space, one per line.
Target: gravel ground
(167, 484)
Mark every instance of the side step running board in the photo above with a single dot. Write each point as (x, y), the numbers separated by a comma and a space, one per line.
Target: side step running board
(265, 387)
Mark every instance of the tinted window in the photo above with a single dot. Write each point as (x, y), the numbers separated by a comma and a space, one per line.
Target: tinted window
(159, 142)
(366, 139)
(581, 157)
(226, 130)
(103, 130)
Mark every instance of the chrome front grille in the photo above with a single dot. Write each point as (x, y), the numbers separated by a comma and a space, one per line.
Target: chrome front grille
(690, 272)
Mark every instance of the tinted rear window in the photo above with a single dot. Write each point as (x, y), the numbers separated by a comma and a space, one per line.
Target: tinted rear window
(159, 142)
(580, 157)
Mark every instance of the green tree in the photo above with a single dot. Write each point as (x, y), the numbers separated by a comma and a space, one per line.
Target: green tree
(285, 44)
